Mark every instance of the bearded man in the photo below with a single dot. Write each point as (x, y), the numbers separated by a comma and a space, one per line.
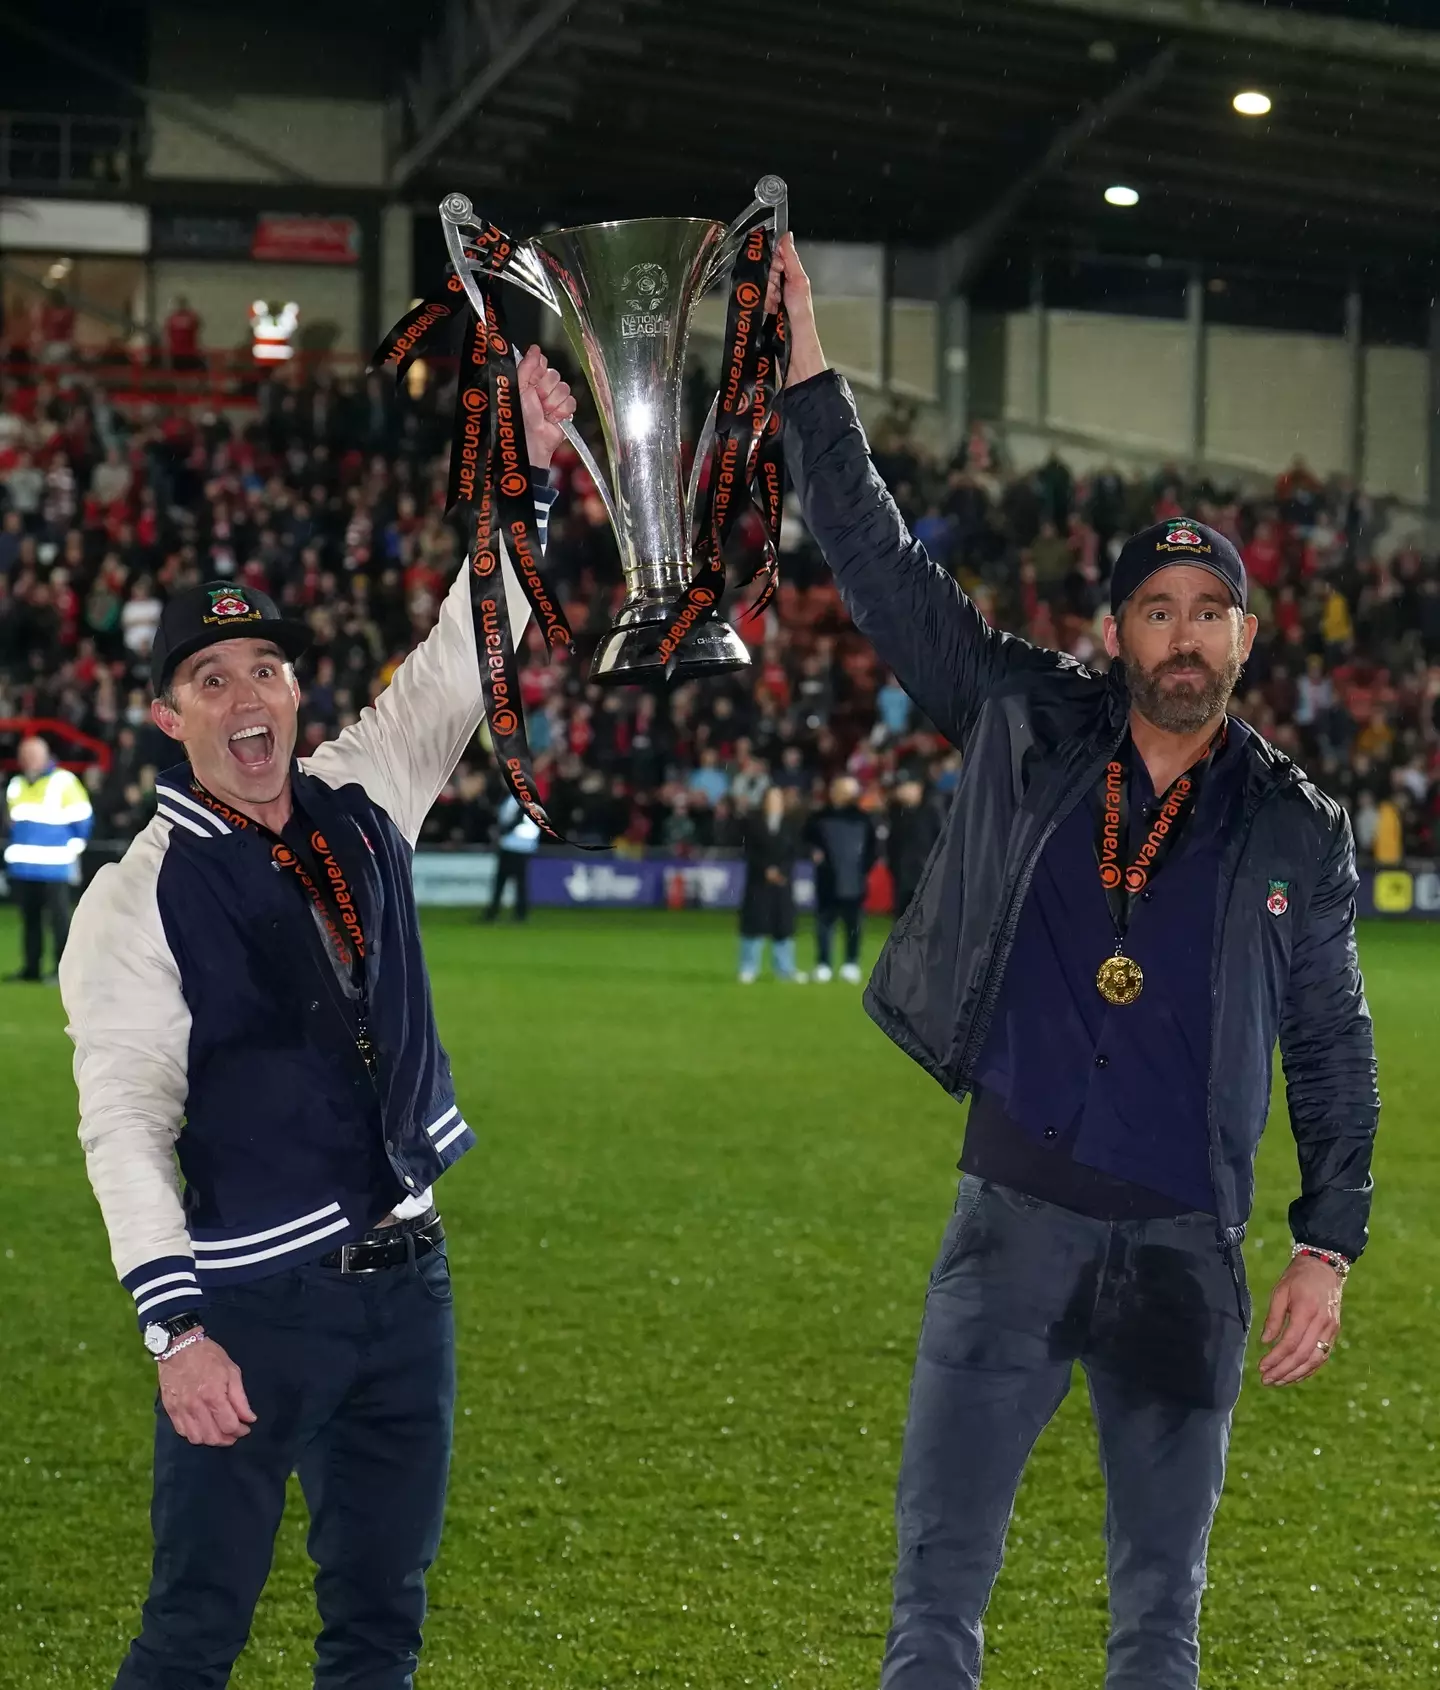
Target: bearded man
(1133, 898)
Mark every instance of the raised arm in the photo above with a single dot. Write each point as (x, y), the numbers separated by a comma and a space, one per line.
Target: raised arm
(944, 653)
(406, 745)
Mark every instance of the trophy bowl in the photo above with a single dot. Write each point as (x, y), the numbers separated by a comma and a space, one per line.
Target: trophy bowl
(625, 293)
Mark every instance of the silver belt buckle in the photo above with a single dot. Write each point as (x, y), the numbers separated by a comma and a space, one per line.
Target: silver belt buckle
(345, 1266)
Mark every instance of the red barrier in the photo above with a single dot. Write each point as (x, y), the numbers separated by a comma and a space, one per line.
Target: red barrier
(879, 890)
(24, 726)
(212, 380)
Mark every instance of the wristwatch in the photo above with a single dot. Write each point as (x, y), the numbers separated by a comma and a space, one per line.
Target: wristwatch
(159, 1335)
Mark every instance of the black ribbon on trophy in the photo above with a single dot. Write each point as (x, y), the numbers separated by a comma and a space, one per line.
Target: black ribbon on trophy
(490, 475)
(746, 464)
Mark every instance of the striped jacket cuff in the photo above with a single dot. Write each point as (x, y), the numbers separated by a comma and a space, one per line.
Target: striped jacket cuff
(165, 1287)
(544, 496)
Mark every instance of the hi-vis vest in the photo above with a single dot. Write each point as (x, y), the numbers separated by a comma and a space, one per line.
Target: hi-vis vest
(49, 823)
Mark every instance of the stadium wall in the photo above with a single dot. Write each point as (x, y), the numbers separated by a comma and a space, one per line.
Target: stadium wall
(207, 60)
(328, 296)
(1124, 384)
(339, 143)
(1103, 385)
(465, 879)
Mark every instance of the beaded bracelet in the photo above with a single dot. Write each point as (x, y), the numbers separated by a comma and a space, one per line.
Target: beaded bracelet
(182, 1343)
(1332, 1258)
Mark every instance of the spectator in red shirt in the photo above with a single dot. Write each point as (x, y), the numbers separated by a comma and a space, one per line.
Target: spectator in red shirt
(182, 336)
(1264, 556)
(55, 328)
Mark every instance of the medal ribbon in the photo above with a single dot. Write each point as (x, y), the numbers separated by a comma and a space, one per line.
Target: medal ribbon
(1123, 882)
(746, 465)
(490, 477)
(331, 897)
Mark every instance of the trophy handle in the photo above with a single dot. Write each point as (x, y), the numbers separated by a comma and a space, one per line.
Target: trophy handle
(523, 268)
(597, 475)
(771, 204)
(702, 452)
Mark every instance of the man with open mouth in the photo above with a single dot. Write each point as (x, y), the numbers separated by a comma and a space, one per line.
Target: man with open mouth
(248, 998)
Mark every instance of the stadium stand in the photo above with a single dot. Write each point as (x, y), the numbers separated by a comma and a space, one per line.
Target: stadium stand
(327, 490)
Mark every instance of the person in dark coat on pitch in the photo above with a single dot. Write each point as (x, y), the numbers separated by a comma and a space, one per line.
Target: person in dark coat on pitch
(915, 823)
(772, 843)
(1135, 899)
(843, 841)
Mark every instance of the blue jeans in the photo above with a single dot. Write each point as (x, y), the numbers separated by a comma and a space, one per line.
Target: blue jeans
(752, 952)
(1021, 1291)
(352, 1380)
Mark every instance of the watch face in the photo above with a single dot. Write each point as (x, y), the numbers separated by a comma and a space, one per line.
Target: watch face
(157, 1340)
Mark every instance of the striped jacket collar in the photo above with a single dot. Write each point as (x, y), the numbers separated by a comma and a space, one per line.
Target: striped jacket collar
(175, 790)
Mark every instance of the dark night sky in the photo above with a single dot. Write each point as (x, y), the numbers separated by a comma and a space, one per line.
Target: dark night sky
(116, 33)
(1413, 14)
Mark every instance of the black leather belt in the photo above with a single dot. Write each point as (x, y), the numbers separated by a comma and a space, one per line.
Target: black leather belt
(388, 1246)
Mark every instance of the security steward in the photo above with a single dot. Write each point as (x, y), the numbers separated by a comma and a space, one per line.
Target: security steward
(1132, 899)
(50, 819)
(247, 995)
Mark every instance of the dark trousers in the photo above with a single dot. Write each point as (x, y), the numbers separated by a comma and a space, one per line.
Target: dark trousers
(846, 910)
(1021, 1291)
(41, 901)
(511, 865)
(352, 1380)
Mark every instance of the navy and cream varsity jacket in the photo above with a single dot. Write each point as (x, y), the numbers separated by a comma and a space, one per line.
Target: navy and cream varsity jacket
(209, 1027)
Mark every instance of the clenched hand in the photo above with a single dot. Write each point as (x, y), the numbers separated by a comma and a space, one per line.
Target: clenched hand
(203, 1396)
(789, 282)
(1304, 1313)
(546, 402)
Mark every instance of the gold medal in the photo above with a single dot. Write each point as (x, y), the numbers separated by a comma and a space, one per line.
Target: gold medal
(1120, 980)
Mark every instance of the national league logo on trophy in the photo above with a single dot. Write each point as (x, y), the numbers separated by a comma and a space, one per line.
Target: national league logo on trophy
(625, 293)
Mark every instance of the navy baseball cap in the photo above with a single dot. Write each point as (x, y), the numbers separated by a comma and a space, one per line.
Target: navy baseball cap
(220, 610)
(1177, 541)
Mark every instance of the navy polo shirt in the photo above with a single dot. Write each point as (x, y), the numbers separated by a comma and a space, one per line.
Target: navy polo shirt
(1096, 1106)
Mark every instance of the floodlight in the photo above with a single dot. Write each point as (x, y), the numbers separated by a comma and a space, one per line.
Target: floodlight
(1121, 195)
(1250, 102)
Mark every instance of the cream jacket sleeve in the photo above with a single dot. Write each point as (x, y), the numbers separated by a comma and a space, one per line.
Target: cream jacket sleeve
(127, 1016)
(405, 746)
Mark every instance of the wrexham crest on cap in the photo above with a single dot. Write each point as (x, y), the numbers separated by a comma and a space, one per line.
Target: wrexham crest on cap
(228, 606)
(1180, 535)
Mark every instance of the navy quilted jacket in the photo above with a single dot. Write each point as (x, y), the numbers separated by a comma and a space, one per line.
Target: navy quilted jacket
(1036, 729)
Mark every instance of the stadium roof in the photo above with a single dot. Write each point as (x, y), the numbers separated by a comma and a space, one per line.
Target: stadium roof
(987, 128)
(993, 124)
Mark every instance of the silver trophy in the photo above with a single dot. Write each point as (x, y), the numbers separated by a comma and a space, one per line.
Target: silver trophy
(625, 293)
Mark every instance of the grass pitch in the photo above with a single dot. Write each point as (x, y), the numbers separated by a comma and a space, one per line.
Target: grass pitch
(690, 1254)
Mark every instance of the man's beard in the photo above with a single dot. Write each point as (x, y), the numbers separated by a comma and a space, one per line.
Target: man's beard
(1189, 706)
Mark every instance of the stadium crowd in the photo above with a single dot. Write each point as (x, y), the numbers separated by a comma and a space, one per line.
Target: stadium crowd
(329, 494)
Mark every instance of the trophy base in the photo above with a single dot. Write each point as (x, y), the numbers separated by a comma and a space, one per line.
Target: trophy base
(630, 653)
